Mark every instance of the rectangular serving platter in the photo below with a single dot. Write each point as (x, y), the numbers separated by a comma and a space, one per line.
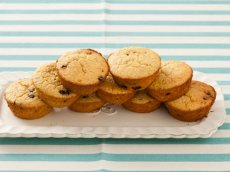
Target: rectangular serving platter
(104, 124)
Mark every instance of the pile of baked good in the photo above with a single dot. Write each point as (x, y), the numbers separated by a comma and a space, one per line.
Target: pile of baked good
(133, 77)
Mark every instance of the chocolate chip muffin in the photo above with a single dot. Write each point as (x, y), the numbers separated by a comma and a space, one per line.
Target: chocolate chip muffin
(22, 98)
(113, 93)
(142, 103)
(82, 71)
(50, 88)
(195, 104)
(134, 67)
(173, 80)
(87, 103)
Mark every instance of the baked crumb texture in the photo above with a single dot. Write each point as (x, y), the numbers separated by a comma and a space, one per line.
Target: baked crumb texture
(195, 104)
(23, 100)
(173, 80)
(87, 103)
(134, 67)
(82, 71)
(50, 89)
(142, 103)
(113, 93)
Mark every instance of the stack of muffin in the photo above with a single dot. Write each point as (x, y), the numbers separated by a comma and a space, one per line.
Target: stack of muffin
(133, 77)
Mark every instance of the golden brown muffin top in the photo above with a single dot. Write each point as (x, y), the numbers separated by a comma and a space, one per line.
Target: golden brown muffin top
(83, 67)
(200, 95)
(22, 92)
(171, 74)
(134, 63)
(47, 81)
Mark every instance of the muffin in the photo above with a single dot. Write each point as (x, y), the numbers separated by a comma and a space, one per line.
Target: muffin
(113, 93)
(50, 88)
(195, 104)
(22, 98)
(173, 80)
(142, 103)
(134, 67)
(82, 71)
(87, 103)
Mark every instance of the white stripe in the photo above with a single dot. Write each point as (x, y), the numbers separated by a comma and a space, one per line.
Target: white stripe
(221, 134)
(35, 17)
(166, 166)
(43, 165)
(50, 149)
(108, 165)
(33, 63)
(58, 51)
(226, 89)
(227, 119)
(220, 64)
(115, 28)
(130, 6)
(220, 77)
(167, 7)
(227, 103)
(117, 149)
(120, 17)
(117, 39)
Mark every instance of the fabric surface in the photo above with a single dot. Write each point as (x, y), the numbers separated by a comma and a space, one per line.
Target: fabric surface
(33, 32)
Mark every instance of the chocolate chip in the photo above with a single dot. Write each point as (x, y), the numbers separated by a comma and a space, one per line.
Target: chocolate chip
(136, 87)
(100, 78)
(123, 86)
(204, 98)
(31, 96)
(208, 93)
(127, 54)
(64, 92)
(167, 94)
(15, 102)
(85, 96)
(63, 66)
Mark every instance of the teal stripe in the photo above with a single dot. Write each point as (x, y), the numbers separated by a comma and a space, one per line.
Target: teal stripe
(213, 70)
(123, 1)
(124, 12)
(114, 45)
(226, 96)
(228, 111)
(117, 157)
(224, 82)
(171, 57)
(96, 141)
(113, 22)
(101, 34)
(225, 126)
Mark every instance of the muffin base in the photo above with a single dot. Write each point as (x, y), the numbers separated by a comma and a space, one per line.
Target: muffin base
(29, 113)
(114, 98)
(170, 94)
(135, 84)
(57, 102)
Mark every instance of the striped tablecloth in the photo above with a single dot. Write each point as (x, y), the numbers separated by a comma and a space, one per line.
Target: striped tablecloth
(33, 32)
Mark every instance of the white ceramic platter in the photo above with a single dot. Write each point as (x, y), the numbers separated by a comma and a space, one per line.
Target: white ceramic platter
(106, 123)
